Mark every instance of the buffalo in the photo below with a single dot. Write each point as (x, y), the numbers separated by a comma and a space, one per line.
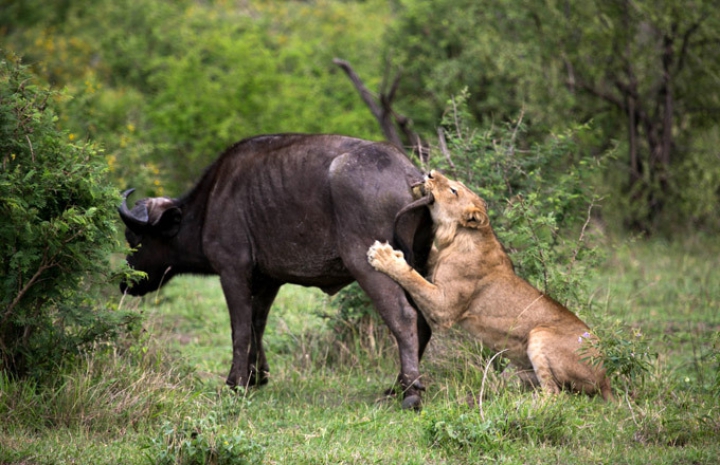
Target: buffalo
(289, 208)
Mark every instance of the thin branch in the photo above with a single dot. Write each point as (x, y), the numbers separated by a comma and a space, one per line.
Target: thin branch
(541, 255)
(365, 94)
(515, 131)
(685, 42)
(443, 147)
(25, 289)
(608, 97)
(32, 152)
(582, 234)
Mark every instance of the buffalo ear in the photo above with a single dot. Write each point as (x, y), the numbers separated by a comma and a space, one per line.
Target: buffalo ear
(168, 224)
(474, 217)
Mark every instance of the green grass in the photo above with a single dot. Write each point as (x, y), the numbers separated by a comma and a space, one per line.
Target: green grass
(324, 404)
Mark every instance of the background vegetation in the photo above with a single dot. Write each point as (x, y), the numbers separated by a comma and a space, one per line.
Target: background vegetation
(591, 129)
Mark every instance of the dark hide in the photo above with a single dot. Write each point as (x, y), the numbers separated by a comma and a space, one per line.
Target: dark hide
(299, 209)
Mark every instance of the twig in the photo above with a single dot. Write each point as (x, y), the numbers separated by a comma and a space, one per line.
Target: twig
(482, 386)
(32, 152)
(455, 117)
(443, 147)
(631, 409)
(23, 291)
(537, 242)
(515, 131)
(582, 235)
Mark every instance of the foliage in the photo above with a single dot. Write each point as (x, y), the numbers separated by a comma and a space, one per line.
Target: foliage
(540, 196)
(644, 72)
(627, 359)
(165, 86)
(312, 411)
(203, 441)
(56, 234)
(530, 421)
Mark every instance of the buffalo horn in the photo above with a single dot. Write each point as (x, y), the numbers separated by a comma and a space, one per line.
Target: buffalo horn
(131, 220)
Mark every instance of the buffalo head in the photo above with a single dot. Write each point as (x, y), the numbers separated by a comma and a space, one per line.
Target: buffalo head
(152, 227)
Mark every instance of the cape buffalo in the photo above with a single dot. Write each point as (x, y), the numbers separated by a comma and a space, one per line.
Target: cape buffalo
(288, 208)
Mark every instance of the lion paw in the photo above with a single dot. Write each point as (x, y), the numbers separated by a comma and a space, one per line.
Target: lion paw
(383, 257)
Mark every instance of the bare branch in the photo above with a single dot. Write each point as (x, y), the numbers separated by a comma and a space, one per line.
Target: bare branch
(365, 94)
(41, 269)
(32, 152)
(380, 112)
(684, 47)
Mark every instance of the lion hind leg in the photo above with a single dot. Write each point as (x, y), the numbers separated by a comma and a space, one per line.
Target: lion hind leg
(540, 356)
(557, 364)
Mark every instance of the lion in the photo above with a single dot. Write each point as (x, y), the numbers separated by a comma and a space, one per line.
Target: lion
(473, 283)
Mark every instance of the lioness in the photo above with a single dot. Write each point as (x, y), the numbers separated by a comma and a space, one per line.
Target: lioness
(473, 283)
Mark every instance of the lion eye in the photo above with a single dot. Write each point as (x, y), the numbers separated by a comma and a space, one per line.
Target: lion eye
(454, 191)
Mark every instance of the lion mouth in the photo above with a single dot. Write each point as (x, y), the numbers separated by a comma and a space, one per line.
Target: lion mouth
(421, 193)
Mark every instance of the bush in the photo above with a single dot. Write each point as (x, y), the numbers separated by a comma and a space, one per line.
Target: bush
(539, 421)
(56, 234)
(203, 441)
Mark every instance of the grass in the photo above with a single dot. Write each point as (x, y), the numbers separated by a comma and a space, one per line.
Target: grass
(134, 402)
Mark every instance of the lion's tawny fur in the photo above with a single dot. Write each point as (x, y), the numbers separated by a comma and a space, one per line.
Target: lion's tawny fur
(473, 283)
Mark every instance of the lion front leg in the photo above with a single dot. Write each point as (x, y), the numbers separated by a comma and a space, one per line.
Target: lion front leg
(428, 297)
(384, 258)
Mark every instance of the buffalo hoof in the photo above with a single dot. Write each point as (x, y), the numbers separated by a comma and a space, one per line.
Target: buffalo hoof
(413, 401)
(236, 383)
(259, 378)
(396, 388)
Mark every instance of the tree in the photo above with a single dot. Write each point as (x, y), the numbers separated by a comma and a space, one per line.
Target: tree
(654, 63)
(644, 72)
(165, 86)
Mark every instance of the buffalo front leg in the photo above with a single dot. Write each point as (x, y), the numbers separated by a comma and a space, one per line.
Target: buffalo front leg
(239, 301)
(262, 300)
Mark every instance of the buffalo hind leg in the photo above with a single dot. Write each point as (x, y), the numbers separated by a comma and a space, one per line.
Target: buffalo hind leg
(403, 320)
(424, 332)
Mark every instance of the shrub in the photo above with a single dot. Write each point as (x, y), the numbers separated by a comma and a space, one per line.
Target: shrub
(529, 421)
(56, 234)
(203, 441)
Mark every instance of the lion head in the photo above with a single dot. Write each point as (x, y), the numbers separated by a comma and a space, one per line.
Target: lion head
(455, 204)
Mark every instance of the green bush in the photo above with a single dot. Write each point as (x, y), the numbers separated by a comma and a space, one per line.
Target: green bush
(541, 421)
(203, 441)
(57, 230)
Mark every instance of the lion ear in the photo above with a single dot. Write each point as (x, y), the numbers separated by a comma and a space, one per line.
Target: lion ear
(474, 217)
